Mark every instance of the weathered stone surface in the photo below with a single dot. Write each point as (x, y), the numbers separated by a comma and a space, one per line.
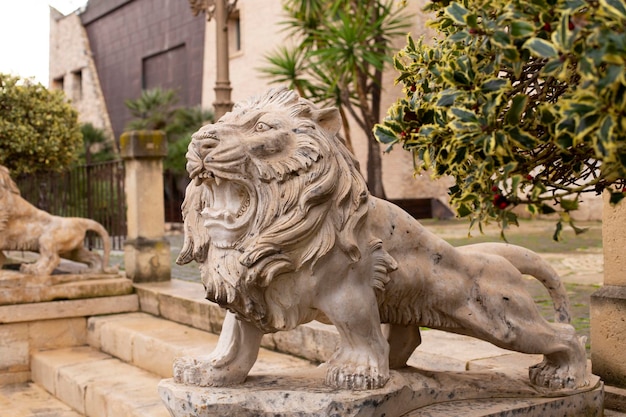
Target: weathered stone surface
(146, 251)
(14, 348)
(303, 394)
(18, 313)
(96, 384)
(608, 334)
(27, 228)
(281, 221)
(29, 400)
(18, 288)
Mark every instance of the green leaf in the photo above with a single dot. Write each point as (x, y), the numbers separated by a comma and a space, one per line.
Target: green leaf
(557, 231)
(546, 209)
(541, 48)
(385, 135)
(518, 104)
(617, 7)
(447, 98)
(569, 205)
(464, 115)
(616, 197)
(501, 38)
(457, 13)
(493, 84)
(554, 66)
(524, 140)
(521, 29)
(577, 230)
(463, 210)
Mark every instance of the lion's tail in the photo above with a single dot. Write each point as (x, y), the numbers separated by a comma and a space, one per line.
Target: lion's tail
(530, 263)
(94, 226)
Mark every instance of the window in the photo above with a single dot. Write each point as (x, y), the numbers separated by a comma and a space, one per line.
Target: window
(77, 85)
(57, 83)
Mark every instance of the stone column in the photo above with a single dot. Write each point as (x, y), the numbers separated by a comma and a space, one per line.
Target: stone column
(608, 305)
(146, 251)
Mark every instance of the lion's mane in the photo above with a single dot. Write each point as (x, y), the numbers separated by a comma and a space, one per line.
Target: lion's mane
(307, 203)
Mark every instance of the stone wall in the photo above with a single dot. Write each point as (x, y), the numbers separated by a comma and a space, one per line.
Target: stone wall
(72, 70)
(143, 44)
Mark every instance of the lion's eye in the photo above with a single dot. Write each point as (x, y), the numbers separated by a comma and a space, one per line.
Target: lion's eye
(262, 127)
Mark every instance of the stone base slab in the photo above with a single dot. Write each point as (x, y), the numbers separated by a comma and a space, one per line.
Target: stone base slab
(409, 392)
(18, 288)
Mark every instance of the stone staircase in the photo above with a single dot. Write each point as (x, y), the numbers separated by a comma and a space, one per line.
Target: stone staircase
(125, 355)
(108, 364)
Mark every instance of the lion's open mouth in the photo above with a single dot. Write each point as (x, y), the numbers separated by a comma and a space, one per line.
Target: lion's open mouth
(228, 204)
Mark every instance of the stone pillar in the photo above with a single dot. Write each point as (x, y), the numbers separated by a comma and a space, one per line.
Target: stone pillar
(608, 305)
(146, 251)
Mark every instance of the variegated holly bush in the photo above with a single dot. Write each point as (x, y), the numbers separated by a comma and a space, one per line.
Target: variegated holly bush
(522, 102)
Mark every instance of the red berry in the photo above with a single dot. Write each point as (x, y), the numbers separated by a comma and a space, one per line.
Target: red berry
(413, 88)
(570, 25)
(547, 27)
(529, 177)
(500, 201)
(494, 188)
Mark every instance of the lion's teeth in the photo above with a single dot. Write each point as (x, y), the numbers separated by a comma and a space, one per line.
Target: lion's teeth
(244, 207)
(218, 181)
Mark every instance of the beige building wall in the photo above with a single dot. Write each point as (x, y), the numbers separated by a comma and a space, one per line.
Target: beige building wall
(72, 70)
(260, 34)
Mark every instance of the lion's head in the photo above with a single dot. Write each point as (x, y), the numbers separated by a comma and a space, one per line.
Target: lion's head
(273, 184)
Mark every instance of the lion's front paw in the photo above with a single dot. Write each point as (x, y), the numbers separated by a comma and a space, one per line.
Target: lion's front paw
(203, 373)
(550, 375)
(356, 378)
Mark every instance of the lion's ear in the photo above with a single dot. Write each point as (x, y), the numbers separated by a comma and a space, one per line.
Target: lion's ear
(328, 119)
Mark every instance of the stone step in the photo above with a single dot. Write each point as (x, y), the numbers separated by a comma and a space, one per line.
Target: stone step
(95, 384)
(152, 343)
(30, 400)
(129, 354)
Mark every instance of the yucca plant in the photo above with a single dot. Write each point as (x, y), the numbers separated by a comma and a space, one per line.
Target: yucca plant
(521, 102)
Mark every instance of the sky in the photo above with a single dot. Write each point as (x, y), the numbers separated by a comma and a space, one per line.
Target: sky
(24, 33)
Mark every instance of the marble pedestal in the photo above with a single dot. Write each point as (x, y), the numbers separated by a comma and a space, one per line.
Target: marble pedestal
(410, 392)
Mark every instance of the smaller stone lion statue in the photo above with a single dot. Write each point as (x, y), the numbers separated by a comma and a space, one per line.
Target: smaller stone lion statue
(281, 221)
(25, 227)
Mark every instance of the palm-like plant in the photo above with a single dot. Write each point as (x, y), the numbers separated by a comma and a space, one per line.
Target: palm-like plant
(343, 49)
(154, 109)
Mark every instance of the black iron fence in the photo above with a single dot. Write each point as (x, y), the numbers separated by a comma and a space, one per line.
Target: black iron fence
(94, 191)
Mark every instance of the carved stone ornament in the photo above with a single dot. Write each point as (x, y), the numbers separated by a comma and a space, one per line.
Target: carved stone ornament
(208, 7)
(280, 219)
(23, 227)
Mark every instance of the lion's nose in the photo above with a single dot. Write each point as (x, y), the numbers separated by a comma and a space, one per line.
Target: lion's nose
(203, 146)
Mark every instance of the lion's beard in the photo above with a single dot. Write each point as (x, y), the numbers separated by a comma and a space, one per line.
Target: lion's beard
(227, 281)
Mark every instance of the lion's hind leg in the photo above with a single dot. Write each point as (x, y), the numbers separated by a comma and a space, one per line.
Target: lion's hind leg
(403, 340)
(565, 361)
(85, 256)
(524, 330)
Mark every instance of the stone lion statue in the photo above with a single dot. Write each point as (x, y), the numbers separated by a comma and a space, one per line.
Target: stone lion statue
(25, 227)
(281, 221)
